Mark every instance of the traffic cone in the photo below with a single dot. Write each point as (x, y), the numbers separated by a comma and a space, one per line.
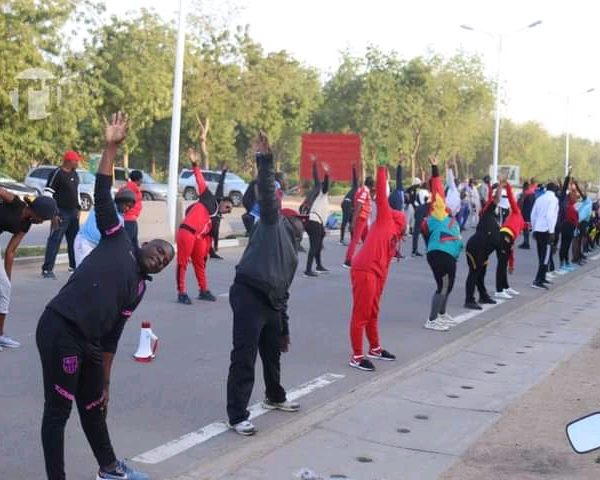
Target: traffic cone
(146, 351)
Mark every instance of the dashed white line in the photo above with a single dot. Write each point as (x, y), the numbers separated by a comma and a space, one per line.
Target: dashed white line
(189, 440)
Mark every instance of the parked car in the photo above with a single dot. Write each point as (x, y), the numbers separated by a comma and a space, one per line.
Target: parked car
(37, 178)
(234, 187)
(151, 189)
(16, 188)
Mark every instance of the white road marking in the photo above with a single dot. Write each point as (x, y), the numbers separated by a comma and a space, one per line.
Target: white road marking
(473, 313)
(189, 440)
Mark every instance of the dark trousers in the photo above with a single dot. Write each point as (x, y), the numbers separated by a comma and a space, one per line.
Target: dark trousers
(216, 225)
(420, 213)
(131, 227)
(248, 221)
(502, 266)
(68, 226)
(542, 240)
(72, 369)
(316, 234)
(526, 237)
(346, 218)
(256, 327)
(443, 266)
(477, 260)
(566, 238)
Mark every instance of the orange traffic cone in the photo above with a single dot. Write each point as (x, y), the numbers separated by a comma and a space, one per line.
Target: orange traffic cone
(146, 351)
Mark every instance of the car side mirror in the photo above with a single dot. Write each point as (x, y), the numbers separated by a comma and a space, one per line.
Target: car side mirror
(584, 433)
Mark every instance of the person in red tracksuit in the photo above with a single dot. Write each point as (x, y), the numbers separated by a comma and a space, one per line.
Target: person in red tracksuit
(510, 231)
(362, 210)
(194, 239)
(131, 215)
(369, 273)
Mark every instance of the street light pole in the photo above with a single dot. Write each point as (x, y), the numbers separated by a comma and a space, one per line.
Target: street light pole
(567, 135)
(176, 122)
(497, 125)
(499, 37)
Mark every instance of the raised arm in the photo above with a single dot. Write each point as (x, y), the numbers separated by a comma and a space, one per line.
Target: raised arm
(354, 178)
(453, 195)
(6, 196)
(107, 220)
(200, 182)
(514, 205)
(221, 184)
(267, 199)
(325, 186)
(566, 184)
(381, 193)
(315, 171)
(438, 200)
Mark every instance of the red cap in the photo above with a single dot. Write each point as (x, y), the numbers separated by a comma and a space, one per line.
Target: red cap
(72, 156)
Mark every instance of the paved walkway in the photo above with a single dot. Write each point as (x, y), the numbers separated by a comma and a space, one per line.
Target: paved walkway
(491, 405)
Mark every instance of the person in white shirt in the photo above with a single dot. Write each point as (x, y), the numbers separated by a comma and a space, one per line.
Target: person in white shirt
(543, 223)
(317, 216)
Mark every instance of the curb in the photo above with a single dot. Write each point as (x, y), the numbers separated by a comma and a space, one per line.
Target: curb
(224, 462)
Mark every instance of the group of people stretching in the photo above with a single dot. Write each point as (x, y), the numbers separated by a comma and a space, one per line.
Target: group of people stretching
(79, 330)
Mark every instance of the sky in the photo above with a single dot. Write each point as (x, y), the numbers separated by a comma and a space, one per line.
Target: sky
(541, 66)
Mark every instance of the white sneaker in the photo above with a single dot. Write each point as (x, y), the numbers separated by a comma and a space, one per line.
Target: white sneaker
(286, 406)
(245, 428)
(446, 319)
(550, 275)
(562, 271)
(502, 295)
(436, 325)
(8, 342)
(511, 291)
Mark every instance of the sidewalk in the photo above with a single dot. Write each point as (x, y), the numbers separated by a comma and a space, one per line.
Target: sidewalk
(491, 405)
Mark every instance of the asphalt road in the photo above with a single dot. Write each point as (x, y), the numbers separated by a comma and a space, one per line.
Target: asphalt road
(184, 388)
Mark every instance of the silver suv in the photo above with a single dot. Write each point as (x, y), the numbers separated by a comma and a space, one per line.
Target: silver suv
(37, 178)
(234, 187)
(151, 189)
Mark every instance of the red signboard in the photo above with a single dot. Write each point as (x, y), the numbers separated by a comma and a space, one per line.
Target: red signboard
(339, 151)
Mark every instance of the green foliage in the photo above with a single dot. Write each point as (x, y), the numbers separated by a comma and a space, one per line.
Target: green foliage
(428, 105)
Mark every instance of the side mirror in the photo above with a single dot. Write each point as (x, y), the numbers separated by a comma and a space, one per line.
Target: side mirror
(584, 433)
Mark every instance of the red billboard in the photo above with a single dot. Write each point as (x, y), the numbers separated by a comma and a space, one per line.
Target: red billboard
(339, 151)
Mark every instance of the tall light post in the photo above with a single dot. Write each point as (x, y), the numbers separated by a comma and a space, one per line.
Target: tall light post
(567, 126)
(499, 38)
(176, 122)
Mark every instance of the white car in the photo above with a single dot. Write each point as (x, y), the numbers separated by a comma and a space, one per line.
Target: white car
(234, 187)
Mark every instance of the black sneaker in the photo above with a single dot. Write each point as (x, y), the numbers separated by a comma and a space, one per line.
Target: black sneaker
(416, 254)
(310, 274)
(524, 247)
(216, 256)
(539, 285)
(472, 305)
(381, 355)
(346, 264)
(487, 301)
(184, 299)
(547, 282)
(321, 269)
(362, 364)
(207, 296)
(48, 274)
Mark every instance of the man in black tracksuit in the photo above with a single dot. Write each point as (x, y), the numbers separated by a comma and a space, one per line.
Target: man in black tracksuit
(258, 298)
(78, 332)
(480, 246)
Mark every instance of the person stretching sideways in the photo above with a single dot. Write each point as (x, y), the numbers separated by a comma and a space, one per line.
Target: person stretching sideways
(348, 207)
(360, 218)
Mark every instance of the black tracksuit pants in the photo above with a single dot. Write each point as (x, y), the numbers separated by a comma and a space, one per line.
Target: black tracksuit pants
(316, 235)
(256, 328)
(420, 212)
(216, 226)
(502, 266)
(542, 240)
(477, 254)
(131, 227)
(73, 370)
(566, 238)
(347, 211)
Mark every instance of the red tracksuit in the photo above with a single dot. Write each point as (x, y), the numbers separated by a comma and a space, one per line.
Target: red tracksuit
(361, 228)
(370, 268)
(194, 240)
(514, 223)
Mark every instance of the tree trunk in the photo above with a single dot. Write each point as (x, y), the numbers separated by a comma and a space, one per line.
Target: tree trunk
(202, 140)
